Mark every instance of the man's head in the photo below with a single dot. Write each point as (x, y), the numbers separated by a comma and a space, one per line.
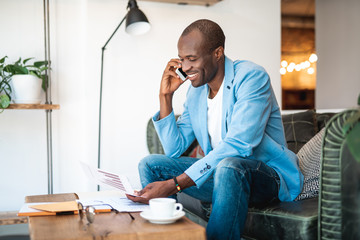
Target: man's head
(201, 51)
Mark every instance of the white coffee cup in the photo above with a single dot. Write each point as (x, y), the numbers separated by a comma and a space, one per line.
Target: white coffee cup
(164, 207)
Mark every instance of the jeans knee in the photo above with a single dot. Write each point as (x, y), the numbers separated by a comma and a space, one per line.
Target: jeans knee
(232, 164)
(147, 161)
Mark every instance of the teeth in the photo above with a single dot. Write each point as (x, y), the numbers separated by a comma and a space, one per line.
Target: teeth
(192, 75)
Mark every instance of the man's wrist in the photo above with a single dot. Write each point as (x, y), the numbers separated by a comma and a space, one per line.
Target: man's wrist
(178, 188)
(165, 105)
(185, 181)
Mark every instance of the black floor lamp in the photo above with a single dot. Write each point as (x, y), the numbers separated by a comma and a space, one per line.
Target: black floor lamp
(136, 24)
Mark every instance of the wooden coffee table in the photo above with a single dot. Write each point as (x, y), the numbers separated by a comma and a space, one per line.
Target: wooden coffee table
(106, 225)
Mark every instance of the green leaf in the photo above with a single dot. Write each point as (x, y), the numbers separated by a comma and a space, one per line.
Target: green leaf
(39, 64)
(4, 101)
(34, 73)
(350, 123)
(16, 69)
(3, 59)
(7, 85)
(26, 60)
(43, 69)
(44, 84)
(353, 141)
(18, 61)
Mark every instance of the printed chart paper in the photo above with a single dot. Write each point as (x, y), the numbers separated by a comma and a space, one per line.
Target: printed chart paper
(105, 178)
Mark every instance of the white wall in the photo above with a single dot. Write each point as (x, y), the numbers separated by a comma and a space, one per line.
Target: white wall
(337, 46)
(132, 72)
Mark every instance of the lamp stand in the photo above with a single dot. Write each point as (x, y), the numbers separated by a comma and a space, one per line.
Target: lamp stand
(101, 86)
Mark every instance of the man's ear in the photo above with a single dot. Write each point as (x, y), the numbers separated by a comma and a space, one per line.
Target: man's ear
(219, 52)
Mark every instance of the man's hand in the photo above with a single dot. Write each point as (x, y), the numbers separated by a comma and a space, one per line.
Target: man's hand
(154, 190)
(161, 189)
(170, 82)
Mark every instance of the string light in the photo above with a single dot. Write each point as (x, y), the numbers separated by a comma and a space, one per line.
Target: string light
(284, 63)
(313, 58)
(282, 71)
(310, 70)
(306, 65)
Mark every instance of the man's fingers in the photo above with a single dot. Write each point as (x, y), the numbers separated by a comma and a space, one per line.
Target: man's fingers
(173, 63)
(138, 193)
(138, 199)
(174, 74)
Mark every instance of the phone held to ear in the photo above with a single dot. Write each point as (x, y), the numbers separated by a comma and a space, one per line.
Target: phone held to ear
(181, 74)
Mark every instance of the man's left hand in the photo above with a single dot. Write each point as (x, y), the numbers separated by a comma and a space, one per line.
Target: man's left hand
(154, 190)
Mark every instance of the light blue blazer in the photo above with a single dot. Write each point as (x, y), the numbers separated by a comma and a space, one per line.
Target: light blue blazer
(251, 128)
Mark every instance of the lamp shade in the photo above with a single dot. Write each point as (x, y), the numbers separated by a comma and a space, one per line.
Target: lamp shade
(136, 21)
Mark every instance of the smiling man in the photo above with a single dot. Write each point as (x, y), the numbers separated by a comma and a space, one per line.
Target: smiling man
(232, 112)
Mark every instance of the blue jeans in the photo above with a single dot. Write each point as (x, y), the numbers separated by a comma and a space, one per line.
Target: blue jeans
(235, 183)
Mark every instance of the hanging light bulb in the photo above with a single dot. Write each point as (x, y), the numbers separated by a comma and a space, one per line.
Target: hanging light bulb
(282, 71)
(313, 58)
(297, 67)
(310, 70)
(302, 65)
(284, 63)
(290, 67)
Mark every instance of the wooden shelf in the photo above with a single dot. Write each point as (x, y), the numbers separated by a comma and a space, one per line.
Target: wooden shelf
(7, 218)
(34, 106)
(190, 2)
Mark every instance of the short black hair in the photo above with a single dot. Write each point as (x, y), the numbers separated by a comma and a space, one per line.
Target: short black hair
(212, 32)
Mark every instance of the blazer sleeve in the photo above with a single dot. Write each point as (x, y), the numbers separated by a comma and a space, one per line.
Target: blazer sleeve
(175, 136)
(249, 116)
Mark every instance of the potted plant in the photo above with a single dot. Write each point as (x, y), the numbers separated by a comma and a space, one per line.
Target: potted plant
(27, 80)
(5, 88)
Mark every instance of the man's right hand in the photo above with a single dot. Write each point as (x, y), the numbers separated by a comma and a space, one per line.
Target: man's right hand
(170, 82)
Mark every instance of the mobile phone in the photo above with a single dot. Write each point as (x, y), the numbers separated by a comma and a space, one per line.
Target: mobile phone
(181, 74)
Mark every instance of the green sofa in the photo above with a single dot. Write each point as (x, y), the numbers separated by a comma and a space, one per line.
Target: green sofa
(297, 219)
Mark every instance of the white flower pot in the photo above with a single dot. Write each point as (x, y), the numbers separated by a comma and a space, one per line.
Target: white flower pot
(27, 89)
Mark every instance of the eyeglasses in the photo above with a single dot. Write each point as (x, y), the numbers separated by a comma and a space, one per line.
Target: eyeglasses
(89, 211)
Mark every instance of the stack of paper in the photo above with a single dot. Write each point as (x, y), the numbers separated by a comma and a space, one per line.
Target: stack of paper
(103, 201)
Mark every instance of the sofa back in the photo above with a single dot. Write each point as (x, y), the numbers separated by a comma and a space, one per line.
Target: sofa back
(299, 128)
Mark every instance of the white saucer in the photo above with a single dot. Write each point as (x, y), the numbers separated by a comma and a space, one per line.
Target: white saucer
(148, 216)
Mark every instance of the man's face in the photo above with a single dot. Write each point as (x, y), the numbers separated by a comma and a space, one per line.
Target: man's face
(198, 62)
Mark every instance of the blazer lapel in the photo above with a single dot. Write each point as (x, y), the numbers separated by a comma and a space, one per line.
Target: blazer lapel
(203, 120)
(228, 84)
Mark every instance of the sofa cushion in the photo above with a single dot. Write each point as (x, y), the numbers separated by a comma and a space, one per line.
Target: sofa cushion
(152, 139)
(299, 129)
(284, 220)
(309, 162)
(323, 118)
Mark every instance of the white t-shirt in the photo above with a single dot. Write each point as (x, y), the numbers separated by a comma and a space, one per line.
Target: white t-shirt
(214, 114)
